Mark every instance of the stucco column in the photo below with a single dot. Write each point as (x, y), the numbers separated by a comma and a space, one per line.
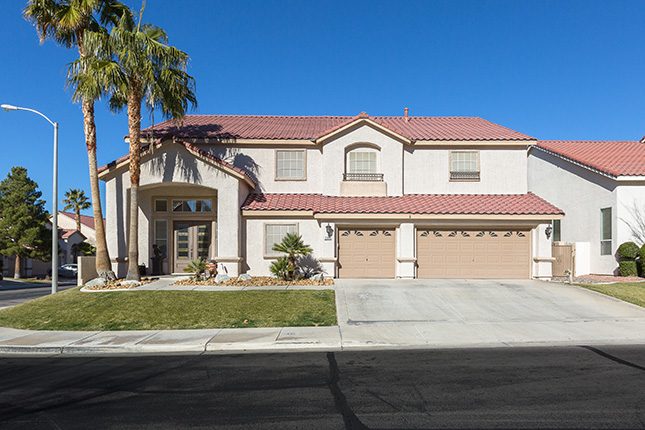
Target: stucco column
(327, 252)
(405, 251)
(228, 232)
(542, 256)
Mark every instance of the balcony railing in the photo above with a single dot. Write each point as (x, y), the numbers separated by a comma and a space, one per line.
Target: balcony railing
(365, 177)
(464, 176)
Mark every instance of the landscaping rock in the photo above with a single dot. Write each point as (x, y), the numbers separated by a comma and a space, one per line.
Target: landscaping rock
(221, 278)
(244, 277)
(96, 282)
(318, 277)
(129, 283)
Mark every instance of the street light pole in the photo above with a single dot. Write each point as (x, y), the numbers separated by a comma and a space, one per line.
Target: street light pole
(55, 194)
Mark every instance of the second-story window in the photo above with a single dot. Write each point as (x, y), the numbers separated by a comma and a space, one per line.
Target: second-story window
(362, 164)
(464, 166)
(290, 165)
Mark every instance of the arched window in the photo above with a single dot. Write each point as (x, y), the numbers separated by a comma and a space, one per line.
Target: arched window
(362, 163)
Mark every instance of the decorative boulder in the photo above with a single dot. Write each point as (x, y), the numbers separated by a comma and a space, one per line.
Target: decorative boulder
(244, 277)
(129, 283)
(96, 282)
(221, 278)
(318, 277)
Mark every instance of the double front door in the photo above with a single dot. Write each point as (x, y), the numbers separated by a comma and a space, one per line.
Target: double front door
(192, 241)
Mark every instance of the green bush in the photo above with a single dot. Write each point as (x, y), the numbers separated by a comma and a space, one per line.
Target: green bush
(628, 251)
(197, 268)
(628, 268)
(642, 253)
(280, 268)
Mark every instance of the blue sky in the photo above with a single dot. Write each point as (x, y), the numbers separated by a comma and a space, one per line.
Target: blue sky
(551, 69)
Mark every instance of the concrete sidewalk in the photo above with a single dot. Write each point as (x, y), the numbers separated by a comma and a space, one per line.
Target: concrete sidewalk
(333, 338)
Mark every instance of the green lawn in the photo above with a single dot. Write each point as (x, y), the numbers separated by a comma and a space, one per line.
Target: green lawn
(633, 292)
(152, 310)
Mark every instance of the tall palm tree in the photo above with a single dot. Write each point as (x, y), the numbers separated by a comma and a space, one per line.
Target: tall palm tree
(66, 22)
(76, 201)
(137, 65)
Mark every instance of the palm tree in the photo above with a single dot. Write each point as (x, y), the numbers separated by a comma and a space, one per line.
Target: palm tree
(76, 201)
(67, 21)
(137, 65)
(293, 246)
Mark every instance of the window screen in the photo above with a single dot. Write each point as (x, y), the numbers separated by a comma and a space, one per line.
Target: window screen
(362, 162)
(274, 233)
(605, 231)
(290, 164)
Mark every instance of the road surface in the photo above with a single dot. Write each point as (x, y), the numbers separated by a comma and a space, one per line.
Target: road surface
(568, 387)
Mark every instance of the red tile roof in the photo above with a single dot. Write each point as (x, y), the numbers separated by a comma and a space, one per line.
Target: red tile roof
(435, 204)
(86, 220)
(312, 127)
(616, 158)
(67, 233)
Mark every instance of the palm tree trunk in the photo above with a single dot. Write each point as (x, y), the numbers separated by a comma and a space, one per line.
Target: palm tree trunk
(78, 219)
(16, 268)
(103, 265)
(134, 132)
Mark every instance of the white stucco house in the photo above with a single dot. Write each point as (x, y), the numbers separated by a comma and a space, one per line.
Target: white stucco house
(600, 185)
(375, 197)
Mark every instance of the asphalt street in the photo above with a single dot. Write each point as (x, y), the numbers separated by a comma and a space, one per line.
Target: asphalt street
(13, 292)
(568, 387)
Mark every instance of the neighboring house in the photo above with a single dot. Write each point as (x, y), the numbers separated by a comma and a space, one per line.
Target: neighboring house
(67, 242)
(376, 197)
(67, 221)
(600, 185)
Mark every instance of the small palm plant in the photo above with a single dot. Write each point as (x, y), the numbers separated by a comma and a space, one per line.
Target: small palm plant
(286, 267)
(197, 268)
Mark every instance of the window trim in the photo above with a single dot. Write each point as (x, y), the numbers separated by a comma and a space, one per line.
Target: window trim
(265, 227)
(276, 177)
(610, 240)
(450, 171)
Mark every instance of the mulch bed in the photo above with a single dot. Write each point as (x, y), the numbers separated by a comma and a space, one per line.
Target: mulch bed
(257, 281)
(117, 285)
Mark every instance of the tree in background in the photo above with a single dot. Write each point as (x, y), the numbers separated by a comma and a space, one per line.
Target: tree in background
(137, 65)
(76, 201)
(23, 219)
(66, 22)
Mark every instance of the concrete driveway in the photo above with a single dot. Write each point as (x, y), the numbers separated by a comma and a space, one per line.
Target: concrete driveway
(482, 312)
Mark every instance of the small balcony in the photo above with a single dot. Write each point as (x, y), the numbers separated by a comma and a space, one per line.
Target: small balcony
(464, 176)
(363, 177)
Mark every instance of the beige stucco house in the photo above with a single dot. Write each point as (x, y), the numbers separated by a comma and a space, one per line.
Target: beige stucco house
(376, 197)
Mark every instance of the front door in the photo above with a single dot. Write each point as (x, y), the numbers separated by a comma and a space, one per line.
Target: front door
(192, 241)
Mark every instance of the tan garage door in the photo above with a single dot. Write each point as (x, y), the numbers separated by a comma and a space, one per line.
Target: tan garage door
(366, 253)
(473, 254)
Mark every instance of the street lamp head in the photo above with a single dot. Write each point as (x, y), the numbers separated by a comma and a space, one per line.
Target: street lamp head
(9, 107)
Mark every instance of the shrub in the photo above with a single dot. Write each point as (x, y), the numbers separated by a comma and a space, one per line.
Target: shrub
(197, 268)
(293, 246)
(628, 268)
(280, 268)
(642, 253)
(628, 251)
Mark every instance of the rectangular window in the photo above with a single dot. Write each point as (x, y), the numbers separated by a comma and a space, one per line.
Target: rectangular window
(290, 165)
(274, 233)
(161, 236)
(605, 231)
(161, 205)
(192, 206)
(362, 162)
(464, 165)
(557, 235)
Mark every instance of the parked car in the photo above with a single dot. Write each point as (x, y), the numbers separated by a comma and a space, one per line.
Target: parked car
(68, 271)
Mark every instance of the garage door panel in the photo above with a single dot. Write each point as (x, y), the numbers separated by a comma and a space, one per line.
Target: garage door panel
(366, 253)
(473, 253)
